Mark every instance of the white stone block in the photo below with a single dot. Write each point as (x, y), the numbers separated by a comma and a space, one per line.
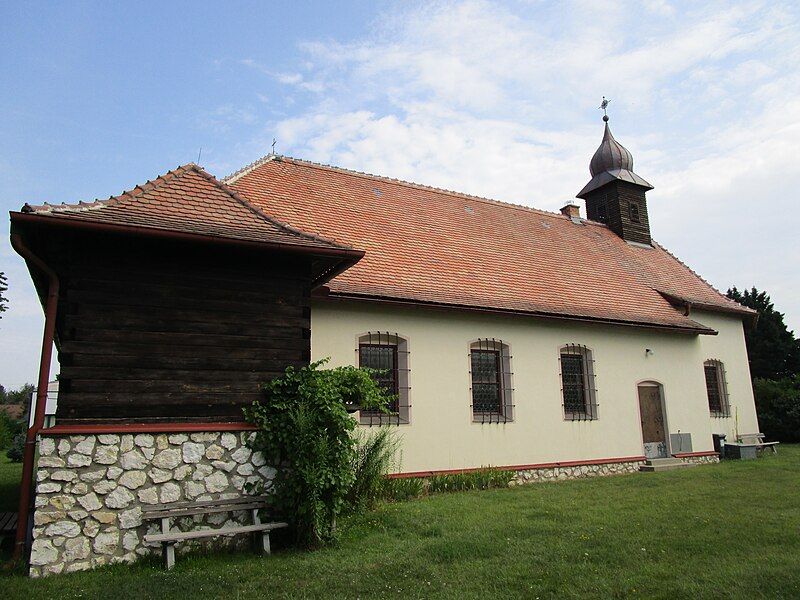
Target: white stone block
(79, 460)
(144, 440)
(192, 452)
(86, 446)
(106, 455)
(228, 441)
(167, 459)
(119, 498)
(90, 501)
(133, 479)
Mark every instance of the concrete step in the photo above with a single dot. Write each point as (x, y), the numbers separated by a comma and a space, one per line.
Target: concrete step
(656, 465)
(664, 461)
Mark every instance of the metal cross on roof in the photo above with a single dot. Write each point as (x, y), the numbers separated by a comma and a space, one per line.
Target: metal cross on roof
(274, 141)
(604, 106)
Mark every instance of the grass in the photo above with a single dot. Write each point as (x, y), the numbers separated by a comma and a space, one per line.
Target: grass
(728, 531)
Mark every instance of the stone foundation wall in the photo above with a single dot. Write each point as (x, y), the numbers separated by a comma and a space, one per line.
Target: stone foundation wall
(576, 472)
(91, 491)
(701, 460)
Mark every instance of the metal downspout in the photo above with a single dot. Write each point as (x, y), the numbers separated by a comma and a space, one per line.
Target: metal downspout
(51, 309)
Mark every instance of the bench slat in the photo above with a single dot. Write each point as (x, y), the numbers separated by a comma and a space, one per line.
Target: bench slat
(203, 533)
(187, 512)
(192, 504)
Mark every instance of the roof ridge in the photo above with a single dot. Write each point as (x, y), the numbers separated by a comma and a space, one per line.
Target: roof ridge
(260, 213)
(232, 178)
(132, 193)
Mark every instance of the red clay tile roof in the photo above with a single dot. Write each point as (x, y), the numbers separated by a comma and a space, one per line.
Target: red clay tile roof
(436, 246)
(187, 200)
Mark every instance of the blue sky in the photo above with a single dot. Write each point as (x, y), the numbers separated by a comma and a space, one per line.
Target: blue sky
(493, 99)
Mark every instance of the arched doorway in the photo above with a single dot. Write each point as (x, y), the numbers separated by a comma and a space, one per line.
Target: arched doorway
(654, 421)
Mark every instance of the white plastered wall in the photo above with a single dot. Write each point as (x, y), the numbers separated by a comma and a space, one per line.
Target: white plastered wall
(441, 434)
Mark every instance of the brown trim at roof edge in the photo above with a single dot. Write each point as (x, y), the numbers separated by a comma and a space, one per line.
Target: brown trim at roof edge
(326, 294)
(348, 257)
(743, 311)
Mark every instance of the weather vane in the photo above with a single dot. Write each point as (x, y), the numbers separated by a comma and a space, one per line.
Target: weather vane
(274, 141)
(604, 106)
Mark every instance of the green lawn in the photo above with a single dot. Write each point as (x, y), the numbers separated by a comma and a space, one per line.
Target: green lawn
(726, 531)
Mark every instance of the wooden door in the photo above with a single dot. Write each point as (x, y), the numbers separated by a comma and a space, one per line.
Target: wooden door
(653, 427)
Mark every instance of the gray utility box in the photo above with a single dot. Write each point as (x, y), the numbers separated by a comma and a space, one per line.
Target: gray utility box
(740, 451)
(680, 442)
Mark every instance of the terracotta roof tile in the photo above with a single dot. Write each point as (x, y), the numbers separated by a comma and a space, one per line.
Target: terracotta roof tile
(425, 244)
(187, 200)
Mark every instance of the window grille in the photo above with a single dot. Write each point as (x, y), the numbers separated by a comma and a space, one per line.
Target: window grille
(717, 388)
(491, 389)
(388, 356)
(578, 391)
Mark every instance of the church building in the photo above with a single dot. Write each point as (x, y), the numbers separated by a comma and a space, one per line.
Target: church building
(546, 343)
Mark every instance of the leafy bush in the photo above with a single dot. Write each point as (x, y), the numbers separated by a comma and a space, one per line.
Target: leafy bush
(374, 457)
(399, 489)
(304, 430)
(9, 428)
(778, 406)
(17, 448)
(477, 480)
(407, 488)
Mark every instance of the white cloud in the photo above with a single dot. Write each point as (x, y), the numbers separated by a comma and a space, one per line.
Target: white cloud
(499, 101)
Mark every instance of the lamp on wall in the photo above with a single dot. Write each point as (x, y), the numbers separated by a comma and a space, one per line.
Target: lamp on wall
(649, 352)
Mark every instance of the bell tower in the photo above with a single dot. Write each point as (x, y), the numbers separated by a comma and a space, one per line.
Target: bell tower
(616, 195)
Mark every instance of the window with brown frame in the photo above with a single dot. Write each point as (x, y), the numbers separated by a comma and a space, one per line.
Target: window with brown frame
(490, 377)
(716, 388)
(578, 391)
(386, 354)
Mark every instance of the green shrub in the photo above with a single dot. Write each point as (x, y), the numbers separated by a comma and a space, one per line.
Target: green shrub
(305, 432)
(778, 406)
(399, 489)
(476, 480)
(9, 428)
(17, 448)
(374, 457)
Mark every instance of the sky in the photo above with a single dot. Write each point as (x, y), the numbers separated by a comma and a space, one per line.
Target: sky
(494, 99)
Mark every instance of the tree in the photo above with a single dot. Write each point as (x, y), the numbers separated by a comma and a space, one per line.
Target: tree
(3, 290)
(773, 351)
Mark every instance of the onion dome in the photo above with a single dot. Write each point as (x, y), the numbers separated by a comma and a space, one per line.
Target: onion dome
(611, 161)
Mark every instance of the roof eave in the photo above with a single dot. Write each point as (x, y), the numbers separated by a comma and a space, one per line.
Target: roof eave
(100, 226)
(697, 329)
(605, 177)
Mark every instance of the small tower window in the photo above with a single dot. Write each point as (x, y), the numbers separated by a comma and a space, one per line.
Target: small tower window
(601, 211)
(634, 209)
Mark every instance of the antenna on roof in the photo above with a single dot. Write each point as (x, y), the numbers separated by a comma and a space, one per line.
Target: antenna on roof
(604, 106)
(274, 141)
(199, 154)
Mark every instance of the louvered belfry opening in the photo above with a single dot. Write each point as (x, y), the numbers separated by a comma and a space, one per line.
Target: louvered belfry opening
(387, 355)
(491, 389)
(578, 390)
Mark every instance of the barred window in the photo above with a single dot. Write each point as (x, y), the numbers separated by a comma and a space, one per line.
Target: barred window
(717, 388)
(577, 383)
(388, 356)
(490, 376)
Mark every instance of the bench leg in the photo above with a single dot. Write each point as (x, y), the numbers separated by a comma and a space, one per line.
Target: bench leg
(167, 548)
(168, 551)
(264, 547)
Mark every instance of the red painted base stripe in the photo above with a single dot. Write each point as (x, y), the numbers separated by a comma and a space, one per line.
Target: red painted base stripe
(565, 463)
(145, 428)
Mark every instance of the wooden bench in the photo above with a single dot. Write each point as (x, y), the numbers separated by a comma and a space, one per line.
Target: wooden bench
(168, 537)
(8, 523)
(757, 440)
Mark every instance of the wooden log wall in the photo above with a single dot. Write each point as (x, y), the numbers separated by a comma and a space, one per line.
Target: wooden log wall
(169, 332)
